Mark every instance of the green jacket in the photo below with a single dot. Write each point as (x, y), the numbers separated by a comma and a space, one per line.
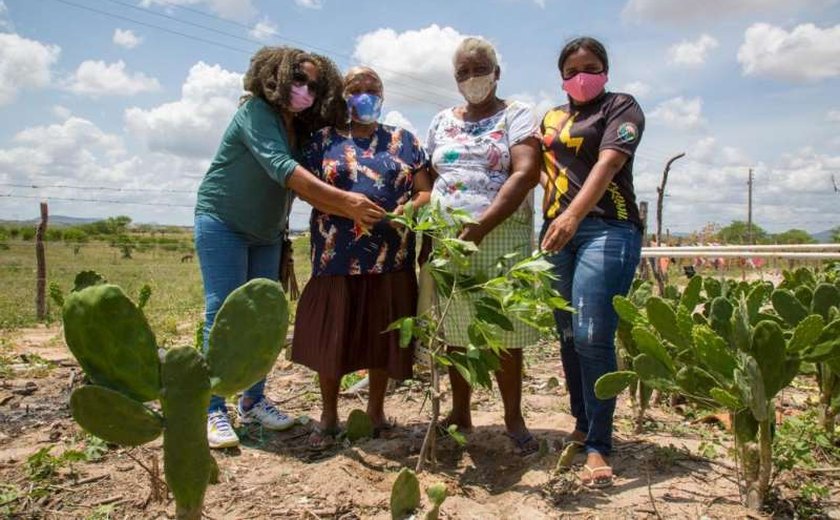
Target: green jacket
(245, 186)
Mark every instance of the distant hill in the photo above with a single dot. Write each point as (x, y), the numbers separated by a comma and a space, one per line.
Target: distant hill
(823, 237)
(59, 220)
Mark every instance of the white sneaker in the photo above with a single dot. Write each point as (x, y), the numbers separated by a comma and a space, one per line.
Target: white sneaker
(220, 433)
(265, 413)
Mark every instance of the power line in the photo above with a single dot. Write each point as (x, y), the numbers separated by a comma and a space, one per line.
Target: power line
(236, 49)
(302, 43)
(103, 201)
(164, 29)
(95, 188)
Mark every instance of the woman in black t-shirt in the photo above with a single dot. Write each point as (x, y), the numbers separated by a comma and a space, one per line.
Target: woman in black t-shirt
(592, 231)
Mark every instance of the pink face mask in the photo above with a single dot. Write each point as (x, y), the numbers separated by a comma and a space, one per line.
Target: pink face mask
(584, 87)
(301, 98)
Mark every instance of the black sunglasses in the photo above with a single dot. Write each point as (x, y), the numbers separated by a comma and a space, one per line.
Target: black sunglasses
(300, 77)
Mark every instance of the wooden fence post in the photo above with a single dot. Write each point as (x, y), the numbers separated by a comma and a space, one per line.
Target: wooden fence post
(40, 258)
(644, 269)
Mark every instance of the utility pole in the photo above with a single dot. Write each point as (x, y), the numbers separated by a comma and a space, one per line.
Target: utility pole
(749, 208)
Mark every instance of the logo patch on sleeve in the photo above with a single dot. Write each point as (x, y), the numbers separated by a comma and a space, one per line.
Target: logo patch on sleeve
(628, 132)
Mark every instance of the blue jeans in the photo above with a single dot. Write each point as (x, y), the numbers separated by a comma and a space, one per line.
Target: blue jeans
(229, 259)
(598, 263)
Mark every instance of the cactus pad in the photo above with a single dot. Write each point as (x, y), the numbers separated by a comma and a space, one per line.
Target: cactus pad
(359, 426)
(188, 464)
(111, 339)
(405, 494)
(610, 385)
(247, 335)
(113, 417)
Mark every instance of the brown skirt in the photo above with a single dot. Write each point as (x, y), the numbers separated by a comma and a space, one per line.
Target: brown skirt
(340, 320)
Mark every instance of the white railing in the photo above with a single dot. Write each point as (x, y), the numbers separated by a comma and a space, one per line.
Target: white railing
(794, 251)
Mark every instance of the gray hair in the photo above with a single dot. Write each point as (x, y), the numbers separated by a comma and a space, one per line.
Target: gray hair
(478, 45)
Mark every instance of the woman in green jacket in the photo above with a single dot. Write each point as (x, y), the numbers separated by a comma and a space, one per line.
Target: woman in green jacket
(244, 200)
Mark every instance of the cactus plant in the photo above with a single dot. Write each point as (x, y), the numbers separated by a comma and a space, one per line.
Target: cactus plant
(436, 493)
(359, 426)
(110, 337)
(405, 494)
(738, 357)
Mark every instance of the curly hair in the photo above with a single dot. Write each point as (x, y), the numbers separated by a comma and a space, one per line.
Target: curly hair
(270, 76)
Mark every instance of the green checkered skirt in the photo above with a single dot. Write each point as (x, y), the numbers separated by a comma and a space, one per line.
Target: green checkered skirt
(516, 234)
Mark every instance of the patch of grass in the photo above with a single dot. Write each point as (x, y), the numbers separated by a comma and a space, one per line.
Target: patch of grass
(9, 496)
(101, 513)
(801, 442)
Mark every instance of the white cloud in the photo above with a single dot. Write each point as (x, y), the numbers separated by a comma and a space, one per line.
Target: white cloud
(709, 151)
(692, 53)
(415, 66)
(833, 116)
(65, 150)
(61, 112)
(264, 30)
(310, 4)
(806, 53)
(24, 63)
(671, 11)
(193, 125)
(680, 113)
(126, 38)
(541, 103)
(793, 192)
(239, 10)
(395, 118)
(638, 89)
(540, 3)
(97, 78)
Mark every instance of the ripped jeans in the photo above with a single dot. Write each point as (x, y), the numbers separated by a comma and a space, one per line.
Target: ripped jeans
(598, 263)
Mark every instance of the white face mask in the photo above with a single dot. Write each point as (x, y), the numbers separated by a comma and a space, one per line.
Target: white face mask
(476, 89)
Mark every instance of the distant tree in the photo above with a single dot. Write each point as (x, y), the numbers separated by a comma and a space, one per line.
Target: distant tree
(75, 234)
(737, 232)
(794, 236)
(835, 235)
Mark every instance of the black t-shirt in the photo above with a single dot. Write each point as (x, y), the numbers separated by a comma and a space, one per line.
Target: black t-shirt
(571, 144)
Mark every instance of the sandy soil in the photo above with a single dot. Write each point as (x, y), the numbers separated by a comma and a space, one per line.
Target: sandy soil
(660, 473)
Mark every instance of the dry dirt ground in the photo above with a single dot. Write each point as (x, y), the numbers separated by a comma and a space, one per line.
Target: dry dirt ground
(678, 469)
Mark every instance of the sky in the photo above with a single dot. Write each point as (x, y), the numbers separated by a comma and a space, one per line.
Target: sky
(116, 107)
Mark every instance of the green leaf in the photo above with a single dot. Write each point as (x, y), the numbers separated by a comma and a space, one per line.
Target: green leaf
(652, 372)
(691, 295)
(806, 333)
(625, 309)
(664, 320)
(768, 349)
(751, 385)
(741, 328)
(826, 296)
(649, 344)
(712, 287)
(788, 306)
(406, 332)
(713, 352)
(491, 315)
(612, 384)
(725, 399)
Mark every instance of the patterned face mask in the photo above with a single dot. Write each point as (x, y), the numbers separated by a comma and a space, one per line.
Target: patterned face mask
(364, 108)
(301, 98)
(476, 89)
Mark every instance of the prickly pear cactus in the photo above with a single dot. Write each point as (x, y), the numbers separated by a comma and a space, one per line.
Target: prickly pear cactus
(247, 335)
(109, 336)
(111, 339)
(359, 426)
(405, 494)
